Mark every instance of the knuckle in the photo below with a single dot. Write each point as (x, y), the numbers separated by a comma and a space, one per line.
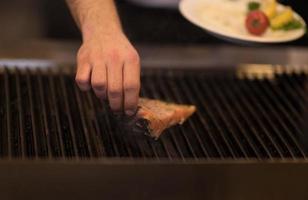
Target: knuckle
(114, 55)
(82, 56)
(81, 80)
(99, 85)
(133, 57)
(133, 87)
(131, 104)
(96, 58)
(83, 84)
(99, 94)
(115, 104)
(115, 108)
(115, 93)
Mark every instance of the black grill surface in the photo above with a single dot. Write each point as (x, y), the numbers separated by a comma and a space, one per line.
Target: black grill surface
(44, 115)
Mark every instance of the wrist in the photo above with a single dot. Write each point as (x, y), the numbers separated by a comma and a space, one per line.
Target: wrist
(95, 29)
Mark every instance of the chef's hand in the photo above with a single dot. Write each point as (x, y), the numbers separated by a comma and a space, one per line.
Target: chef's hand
(110, 65)
(107, 62)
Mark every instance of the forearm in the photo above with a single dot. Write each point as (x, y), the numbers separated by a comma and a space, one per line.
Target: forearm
(95, 16)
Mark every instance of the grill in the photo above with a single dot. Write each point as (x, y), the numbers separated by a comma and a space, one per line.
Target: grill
(245, 123)
(44, 115)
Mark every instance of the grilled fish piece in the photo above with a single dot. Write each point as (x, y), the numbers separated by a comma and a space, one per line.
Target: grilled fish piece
(153, 117)
(161, 115)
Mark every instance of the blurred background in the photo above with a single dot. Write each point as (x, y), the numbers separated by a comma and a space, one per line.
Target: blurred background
(144, 21)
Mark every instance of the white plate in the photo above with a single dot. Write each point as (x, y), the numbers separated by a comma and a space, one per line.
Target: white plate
(226, 19)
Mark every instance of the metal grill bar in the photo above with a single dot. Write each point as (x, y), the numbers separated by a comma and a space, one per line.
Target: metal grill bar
(229, 151)
(44, 115)
(45, 123)
(104, 124)
(243, 137)
(171, 84)
(248, 115)
(287, 86)
(125, 144)
(8, 112)
(192, 129)
(82, 115)
(149, 142)
(68, 117)
(237, 114)
(300, 83)
(162, 141)
(3, 131)
(284, 148)
(212, 145)
(95, 130)
(297, 85)
(221, 115)
(140, 147)
(286, 101)
(19, 133)
(31, 115)
(54, 109)
(266, 135)
(286, 124)
(162, 95)
(6, 116)
(169, 148)
(167, 94)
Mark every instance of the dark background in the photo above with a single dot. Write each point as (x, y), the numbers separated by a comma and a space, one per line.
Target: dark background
(50, 19)
(147, 25)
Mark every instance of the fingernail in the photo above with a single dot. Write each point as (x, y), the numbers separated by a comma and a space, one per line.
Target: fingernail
(130, 112)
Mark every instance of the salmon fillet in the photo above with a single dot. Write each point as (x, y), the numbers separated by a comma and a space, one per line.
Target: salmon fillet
(161, 115)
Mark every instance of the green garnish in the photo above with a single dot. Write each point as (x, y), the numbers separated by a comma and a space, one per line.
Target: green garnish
(253, 5)
(292, 25)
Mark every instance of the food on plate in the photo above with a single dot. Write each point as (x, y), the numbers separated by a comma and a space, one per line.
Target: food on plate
(282, 18)
(256, 22)
(253, 5)
(270, 9)
(294, 24)
(161, 115)
(266, 14)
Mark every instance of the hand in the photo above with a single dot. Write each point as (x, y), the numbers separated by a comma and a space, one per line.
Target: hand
(109, 64)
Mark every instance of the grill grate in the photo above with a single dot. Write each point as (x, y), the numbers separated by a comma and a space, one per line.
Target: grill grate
(44, 115)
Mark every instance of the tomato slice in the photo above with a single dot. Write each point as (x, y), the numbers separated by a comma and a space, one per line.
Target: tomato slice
(256, 22)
